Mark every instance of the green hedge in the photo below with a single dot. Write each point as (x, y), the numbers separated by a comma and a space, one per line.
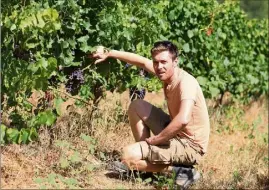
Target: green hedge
(219, 45)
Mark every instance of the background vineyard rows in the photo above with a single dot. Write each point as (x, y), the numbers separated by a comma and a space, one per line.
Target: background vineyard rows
(45, 44)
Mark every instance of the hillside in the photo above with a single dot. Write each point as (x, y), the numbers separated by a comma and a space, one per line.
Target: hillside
(237, 155)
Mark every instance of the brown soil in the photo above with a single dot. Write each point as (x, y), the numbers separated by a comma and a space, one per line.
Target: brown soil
(17, 169)
(226, 153)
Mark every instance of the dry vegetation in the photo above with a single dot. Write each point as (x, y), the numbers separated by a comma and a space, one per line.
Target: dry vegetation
(237, 157)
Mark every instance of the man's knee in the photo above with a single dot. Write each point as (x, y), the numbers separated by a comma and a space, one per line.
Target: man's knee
(135, 105)
(126, 153)
(140, 108)
(131, 152)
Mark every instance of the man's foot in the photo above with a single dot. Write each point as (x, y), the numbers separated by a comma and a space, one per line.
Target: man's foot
(185, 176)
(119, 167)
(123, 170)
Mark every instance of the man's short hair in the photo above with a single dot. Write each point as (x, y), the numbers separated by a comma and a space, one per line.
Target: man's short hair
(165, 46)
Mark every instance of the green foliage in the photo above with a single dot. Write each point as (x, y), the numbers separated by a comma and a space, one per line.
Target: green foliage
(13, 135)
(2, 133)
(55, 181)
(254, 9)
(237, 176)
(90, 142)
(74, 165)
(165, 181)
(219, 45)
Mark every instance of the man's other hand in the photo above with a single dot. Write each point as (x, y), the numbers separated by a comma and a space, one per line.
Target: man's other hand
(101, 54)
(156, 140)
(152, 140)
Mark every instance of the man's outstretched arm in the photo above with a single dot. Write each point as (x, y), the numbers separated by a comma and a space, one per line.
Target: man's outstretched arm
(127, 57)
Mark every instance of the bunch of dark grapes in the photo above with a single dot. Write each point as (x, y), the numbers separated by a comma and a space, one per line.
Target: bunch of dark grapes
(22, 54)
(134, 92)
(137, 94)
(74, 82)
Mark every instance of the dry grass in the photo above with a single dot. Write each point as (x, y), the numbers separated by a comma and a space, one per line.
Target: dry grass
(237, 157)
(238, 149)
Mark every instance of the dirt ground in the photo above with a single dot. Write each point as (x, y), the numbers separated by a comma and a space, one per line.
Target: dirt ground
(228, 153)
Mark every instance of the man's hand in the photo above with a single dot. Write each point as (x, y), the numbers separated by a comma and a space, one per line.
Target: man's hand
(155, 140)
(101, 54)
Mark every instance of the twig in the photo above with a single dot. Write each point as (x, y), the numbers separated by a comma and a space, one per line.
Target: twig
(70, 96)
(30, 103)
(86, 67)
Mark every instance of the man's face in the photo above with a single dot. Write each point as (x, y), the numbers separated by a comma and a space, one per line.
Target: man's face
(164, 65)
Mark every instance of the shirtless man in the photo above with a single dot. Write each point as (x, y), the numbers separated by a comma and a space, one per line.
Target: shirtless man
(181, 138)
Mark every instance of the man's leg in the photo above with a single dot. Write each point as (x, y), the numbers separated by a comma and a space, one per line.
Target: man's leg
(138, 112)
(139, 156)
(142, 120)
(132, 157)
(141, 113)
